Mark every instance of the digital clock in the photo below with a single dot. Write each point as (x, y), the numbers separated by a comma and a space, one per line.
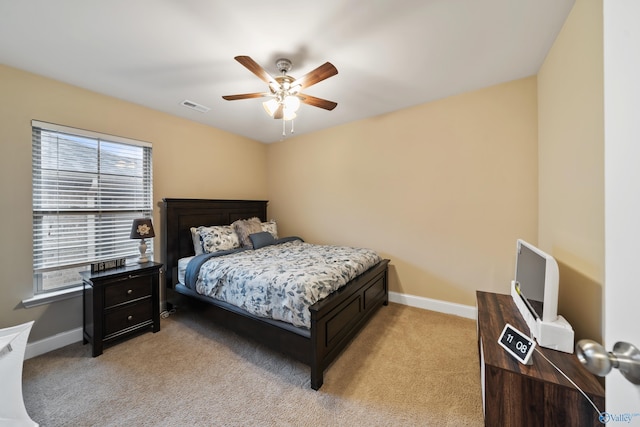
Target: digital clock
(517, 344)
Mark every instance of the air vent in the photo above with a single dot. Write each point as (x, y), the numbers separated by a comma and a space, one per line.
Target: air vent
(194, 106)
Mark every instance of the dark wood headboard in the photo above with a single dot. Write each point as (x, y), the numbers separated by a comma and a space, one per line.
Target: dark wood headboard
(179, 215)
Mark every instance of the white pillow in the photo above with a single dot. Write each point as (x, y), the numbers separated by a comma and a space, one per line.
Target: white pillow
(197, 244)
(218, 238)
(271, 227)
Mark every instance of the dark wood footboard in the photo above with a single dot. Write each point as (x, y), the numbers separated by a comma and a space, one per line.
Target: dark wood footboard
(335, 320)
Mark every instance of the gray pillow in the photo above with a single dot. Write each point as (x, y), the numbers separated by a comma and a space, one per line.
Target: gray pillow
(262, 239)
(246, 227)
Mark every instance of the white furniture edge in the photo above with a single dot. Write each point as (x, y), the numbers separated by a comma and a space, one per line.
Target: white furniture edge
(14, 342)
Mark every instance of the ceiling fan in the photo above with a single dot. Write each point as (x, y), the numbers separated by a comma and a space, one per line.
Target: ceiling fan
(285, 90)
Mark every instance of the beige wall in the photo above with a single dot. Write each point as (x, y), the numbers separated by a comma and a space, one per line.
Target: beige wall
(188, 161)
(571, 150)
(443, 189)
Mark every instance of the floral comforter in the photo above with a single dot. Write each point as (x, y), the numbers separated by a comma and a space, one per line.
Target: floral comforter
(281, 281)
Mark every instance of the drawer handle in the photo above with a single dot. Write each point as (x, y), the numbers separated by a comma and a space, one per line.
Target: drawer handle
(130, 318)
(129, 292)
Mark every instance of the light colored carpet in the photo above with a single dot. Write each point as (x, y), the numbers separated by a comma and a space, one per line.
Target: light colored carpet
(408, 367)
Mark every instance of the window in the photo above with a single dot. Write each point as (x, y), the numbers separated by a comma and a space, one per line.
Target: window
(87, 189)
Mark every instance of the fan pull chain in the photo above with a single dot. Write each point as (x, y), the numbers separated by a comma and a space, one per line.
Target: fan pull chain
(284, 129)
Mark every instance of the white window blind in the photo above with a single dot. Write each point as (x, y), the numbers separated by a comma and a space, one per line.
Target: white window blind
(87, 189)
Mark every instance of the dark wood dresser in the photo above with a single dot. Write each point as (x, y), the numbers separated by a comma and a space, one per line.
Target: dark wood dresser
(119, 303)
(535, 395)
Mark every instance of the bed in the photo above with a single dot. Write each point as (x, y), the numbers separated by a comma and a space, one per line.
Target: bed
(334, 320)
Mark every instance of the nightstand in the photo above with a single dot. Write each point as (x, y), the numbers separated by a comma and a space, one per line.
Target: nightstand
(119, 303)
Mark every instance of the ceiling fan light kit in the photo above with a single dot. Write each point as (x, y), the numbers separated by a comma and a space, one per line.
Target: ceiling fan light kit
(284, 90)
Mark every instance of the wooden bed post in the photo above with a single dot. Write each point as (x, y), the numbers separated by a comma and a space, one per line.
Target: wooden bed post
(317, 369)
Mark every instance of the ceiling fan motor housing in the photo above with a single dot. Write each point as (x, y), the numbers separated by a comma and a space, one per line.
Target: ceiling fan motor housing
(283, 65)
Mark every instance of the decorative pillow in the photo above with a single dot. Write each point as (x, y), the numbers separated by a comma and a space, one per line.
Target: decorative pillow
(197, 243)
(261, 239)
(271, 227)
(245, 227)
(218, 238)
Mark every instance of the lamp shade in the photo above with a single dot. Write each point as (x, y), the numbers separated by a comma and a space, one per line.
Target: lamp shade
(142, 228)
(270, 106)
(292, 103)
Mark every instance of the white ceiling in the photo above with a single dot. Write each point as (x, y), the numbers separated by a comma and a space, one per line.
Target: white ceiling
(390, 54)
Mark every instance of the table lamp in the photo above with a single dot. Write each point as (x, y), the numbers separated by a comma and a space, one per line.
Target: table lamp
(142, 228)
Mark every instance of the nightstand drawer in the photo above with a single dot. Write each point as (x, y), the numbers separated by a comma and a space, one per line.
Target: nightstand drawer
(125, 317)
(129, 290)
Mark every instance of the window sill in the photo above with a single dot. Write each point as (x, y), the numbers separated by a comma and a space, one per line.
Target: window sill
(54, 296)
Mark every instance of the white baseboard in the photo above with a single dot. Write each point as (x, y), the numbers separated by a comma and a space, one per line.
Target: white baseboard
(53, 343)
(461, 310)
(65, 338)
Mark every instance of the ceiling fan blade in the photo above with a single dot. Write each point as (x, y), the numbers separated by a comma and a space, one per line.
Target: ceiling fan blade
(317, 102)
(245, 96)
(255, 68)
(321, 73)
